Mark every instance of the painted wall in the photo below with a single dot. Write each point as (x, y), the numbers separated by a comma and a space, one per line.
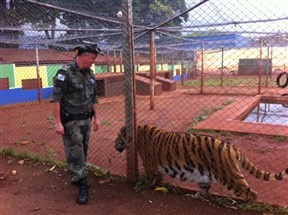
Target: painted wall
(29, 72)
(7, 71)
(15, 93)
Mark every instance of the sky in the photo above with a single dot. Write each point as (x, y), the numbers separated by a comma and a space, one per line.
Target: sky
(223, 11)
(219, 11)
(29, 29)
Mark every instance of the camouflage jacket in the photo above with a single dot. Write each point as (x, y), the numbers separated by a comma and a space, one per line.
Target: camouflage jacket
(75, 89)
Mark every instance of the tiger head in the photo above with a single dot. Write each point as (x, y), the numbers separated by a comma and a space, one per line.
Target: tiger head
(121, 142)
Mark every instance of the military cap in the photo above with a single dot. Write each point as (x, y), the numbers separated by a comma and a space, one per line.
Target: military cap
(88, 48)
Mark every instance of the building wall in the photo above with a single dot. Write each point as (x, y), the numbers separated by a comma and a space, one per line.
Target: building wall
(212, 62)
(16, 74)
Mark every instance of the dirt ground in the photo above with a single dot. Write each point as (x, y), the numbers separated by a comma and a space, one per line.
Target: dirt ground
(36, 190)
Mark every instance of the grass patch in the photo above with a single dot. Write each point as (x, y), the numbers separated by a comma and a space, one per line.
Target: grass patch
(229, 82)
(228, 102)
(249, 206)
(205, 113)
(52, 156)
(141, 183)
(8, 152)
(227, 202)
(280, 138)
(20, 155)
(52, 160)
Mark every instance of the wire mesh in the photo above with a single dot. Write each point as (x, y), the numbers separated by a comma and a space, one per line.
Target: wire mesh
(220, 66)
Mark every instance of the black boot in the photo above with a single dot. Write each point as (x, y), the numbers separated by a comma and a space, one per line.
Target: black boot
(83, 192)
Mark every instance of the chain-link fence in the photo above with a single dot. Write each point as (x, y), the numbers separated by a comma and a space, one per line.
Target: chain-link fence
(213, 67)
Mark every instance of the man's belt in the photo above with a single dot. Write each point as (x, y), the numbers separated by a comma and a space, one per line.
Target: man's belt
(67, 117)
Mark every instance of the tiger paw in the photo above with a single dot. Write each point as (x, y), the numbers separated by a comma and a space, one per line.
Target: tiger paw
(202, 196)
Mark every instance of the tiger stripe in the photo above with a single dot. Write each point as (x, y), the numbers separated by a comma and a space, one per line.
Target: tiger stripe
(198, 158)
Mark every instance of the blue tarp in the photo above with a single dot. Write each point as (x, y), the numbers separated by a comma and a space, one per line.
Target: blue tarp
(225, 41)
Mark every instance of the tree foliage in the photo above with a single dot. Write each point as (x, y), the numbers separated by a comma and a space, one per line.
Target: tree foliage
(150, 12)
(145, 13)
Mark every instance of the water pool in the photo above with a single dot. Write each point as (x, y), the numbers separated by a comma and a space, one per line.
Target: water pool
(269, 113)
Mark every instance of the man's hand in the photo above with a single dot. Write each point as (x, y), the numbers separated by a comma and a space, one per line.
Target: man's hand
(96, 123)
(59, 129)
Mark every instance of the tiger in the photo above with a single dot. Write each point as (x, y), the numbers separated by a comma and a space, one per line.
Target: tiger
(197, 158)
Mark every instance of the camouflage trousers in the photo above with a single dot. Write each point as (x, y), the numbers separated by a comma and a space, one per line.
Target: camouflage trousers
(76, 141)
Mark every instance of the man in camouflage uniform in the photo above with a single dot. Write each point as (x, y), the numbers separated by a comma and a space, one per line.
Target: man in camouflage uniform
(74, 103)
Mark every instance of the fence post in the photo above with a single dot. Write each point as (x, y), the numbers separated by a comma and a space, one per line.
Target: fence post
(129, 89)
(260, 67)
(152, 68)
(222, 66)
(182, 69)
(137, 62)
(108, 60)
(121, 61)
(202, 67)
(114, 61)
(38, 75)
(162, 62)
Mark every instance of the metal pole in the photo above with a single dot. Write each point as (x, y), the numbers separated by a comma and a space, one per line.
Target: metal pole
(108, 61)
(137, 62)
(114, 61)
(195, 61)
(258, 113)
(182, 70)
(202, 68)
(271, 57)
(152, 68)
(172, 65)
(162, 61)
(38, 75)
(129, 89)
(267, 67)
(222, 65)
(121, 61)
(260, 67)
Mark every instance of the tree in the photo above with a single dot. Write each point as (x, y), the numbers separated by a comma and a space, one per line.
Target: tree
(151, 12)
(146, 13)
(18, 13)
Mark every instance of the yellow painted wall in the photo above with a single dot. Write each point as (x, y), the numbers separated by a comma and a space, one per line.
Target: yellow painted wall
(93, 68)
(165, 66)
(118, 68)
(147, 67)
(29, 72)
(144, 68)
(176, 67)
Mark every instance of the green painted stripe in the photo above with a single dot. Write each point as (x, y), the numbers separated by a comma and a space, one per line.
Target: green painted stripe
(101, 69)
(7, 71)
(51, 72)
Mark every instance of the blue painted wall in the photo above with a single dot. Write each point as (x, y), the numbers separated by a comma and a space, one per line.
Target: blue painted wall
(13, 96)
(178, 77)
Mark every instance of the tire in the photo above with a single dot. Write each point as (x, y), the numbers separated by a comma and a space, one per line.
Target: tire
(279, 77)
(285, 94)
